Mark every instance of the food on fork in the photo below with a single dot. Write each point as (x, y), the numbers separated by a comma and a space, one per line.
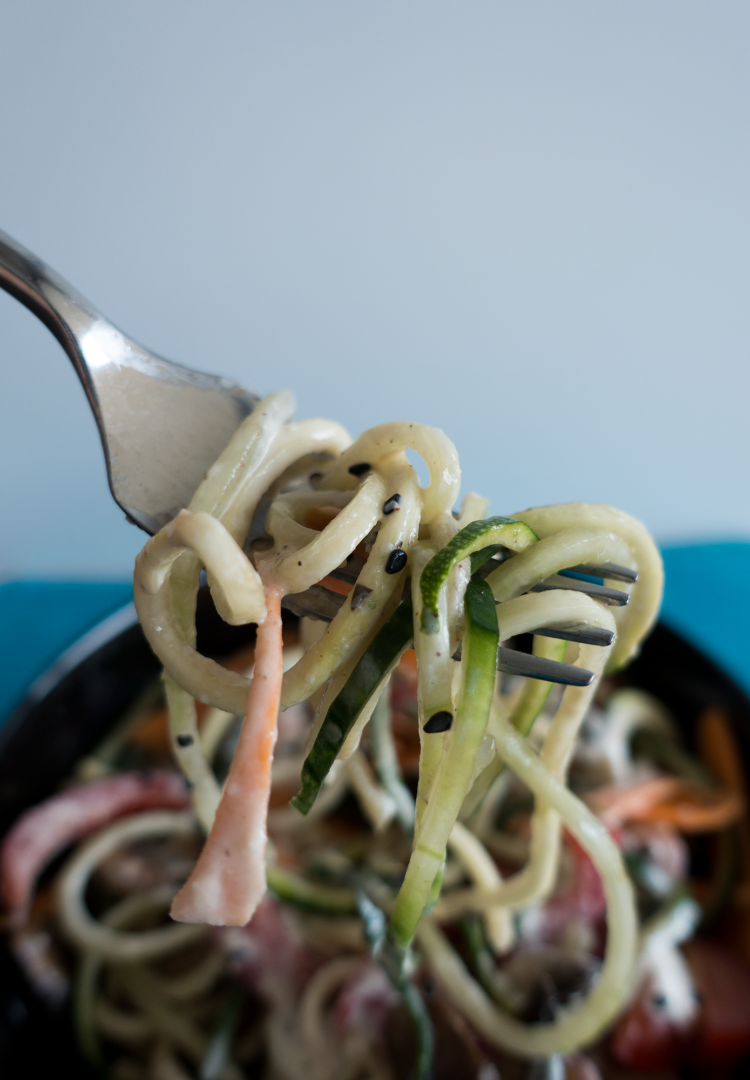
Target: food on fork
(397, 854)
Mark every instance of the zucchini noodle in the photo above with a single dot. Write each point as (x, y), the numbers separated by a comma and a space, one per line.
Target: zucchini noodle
(87, 933)
(292, 506)
(579, 1025)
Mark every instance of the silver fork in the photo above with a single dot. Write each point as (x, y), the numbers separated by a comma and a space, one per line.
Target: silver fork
(163, 425)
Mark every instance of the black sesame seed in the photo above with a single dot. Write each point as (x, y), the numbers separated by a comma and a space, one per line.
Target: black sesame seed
(396, 562)
(441, 721)
(394, 503)
(185, 740)
(361, 469)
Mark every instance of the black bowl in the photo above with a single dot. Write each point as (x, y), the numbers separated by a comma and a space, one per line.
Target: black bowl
(69, 710)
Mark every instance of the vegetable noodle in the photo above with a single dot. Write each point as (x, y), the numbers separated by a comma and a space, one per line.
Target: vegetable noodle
(375, 493)
(378, 821)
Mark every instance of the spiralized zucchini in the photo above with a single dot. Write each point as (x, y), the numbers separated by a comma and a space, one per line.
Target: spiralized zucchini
(421, 583)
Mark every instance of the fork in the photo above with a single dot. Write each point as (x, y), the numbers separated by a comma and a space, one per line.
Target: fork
(162, 425)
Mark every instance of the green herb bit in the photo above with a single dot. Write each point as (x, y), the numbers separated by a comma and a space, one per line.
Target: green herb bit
(380, 657)
(295, 889)
(219, 1049)
(425, 1034)
(386, 762)
(373, 921)
(478, 536)
(483, 963)
(479, 558)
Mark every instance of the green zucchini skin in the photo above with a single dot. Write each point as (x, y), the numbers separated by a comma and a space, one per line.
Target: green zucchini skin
(379, 657)
(484, 537)
(294, 889)
(455, 771)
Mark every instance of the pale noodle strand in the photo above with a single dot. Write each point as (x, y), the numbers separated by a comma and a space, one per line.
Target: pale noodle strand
(85, 995)
(282, 520)
(553, 553)
(579, 1025)
(635, 620)
(86, 932)
(187, 747)
(178, 1028)
(237, 590)
(377, 448)
(374, 801)
(203, 678)
(298, 570)
(374, 597)
(483, 871)
(243, 456)
(474, 507)
(258, 456)
(239, 461)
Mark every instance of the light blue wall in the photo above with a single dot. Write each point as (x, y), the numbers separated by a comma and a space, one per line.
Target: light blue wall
(524, 222)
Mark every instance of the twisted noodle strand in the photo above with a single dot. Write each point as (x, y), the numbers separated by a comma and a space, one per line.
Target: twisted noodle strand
(581, 1024)
(376, 497)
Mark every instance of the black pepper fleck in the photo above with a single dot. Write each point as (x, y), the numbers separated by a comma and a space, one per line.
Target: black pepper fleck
(394, 503)
(396, 562)
(441, 721)
(185, 740)
(361, 469)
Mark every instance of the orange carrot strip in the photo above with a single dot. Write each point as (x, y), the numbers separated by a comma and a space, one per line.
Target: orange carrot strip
(672, 800)
(691, 815)
(619, 804)
(343, 588)
(229, 879)
(719, 749)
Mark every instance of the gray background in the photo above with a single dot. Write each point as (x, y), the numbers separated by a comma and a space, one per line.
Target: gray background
(526, 223)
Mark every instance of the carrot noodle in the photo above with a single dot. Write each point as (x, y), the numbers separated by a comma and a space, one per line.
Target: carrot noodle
(672, 800)
(229, 878)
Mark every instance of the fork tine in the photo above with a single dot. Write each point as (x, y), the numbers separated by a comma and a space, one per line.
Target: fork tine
(349, 572)
(607, 570)
(317, 602)
(599, 592)
(581, 633)
(512, 662)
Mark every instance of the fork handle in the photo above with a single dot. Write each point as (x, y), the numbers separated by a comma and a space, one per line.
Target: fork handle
(62, 309)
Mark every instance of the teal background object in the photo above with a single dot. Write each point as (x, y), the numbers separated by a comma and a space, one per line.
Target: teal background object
(40, 619)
